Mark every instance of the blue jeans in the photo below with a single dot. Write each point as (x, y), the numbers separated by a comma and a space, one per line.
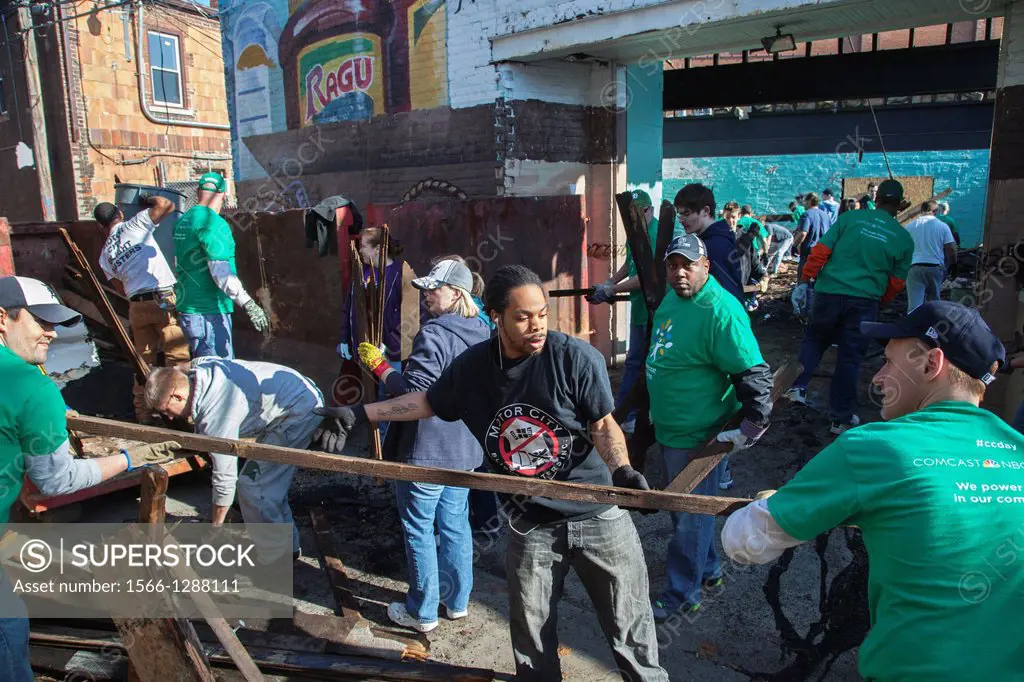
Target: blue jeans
(208, 335)
(692, 556)
(924, 282)
(636, 355)
(836, 319)
(14, 661)
(442, 575)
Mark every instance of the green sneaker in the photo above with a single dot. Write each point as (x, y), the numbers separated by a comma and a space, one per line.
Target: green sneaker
(662, 612)
(712, 583)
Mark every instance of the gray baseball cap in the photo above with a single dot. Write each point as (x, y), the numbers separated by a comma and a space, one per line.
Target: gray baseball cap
(36, 297)
(450, 272)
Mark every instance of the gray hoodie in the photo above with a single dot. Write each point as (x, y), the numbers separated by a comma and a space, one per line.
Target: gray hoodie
(433, 442)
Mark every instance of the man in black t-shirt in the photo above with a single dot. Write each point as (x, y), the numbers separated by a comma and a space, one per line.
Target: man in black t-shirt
(540, 404)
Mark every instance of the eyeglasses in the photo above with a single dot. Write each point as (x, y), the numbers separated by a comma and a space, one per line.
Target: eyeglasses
(684, 212)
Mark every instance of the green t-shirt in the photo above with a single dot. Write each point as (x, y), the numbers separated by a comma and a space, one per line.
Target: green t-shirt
(637, 306)
(867, 247)
(201, 236)
(869, 207)
(697, 344)
(32, 422)
(762, 232)
(798, 213)
(949, 220)
(939, 497)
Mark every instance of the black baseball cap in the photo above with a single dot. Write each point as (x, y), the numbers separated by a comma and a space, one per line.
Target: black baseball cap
(890, 190)
(688, 246)
(104, 213)
(36, 297)
(959, 331)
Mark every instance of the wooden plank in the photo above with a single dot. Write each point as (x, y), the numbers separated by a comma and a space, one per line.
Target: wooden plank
(704, 462)
(103, 303)
(272, 660)
(164, 649)
(153, 496)
(579, 492)
(345, 603)
(410, 309)
(914, 211)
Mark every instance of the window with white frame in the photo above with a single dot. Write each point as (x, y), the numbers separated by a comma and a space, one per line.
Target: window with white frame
(165, 69)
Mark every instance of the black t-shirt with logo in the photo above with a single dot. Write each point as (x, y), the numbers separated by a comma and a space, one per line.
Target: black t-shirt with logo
(532, 416)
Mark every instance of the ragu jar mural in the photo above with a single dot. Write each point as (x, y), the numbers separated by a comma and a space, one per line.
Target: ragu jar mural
(348, 60)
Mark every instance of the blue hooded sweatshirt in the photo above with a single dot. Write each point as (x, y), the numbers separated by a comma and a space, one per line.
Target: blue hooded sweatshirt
(724, 257)
(433, 442)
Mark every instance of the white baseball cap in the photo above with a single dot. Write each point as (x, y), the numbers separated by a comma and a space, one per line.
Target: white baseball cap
(38, 298)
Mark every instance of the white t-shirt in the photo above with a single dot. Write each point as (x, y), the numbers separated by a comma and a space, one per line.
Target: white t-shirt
(131, 255)
(930, 234)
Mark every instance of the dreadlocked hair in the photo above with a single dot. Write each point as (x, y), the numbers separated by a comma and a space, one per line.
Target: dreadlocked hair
(503, 281)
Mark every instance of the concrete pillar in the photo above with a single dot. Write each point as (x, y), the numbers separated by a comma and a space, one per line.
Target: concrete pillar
(6, 255)
(999, 295)
(645, 125)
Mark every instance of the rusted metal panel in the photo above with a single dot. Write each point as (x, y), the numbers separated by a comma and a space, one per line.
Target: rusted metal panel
(6, 255)
(38, 250)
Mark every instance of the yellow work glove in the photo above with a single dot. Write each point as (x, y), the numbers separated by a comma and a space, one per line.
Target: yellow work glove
(373, 359)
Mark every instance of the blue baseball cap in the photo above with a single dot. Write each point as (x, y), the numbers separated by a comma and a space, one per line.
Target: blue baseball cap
(689, 246)
(960, 332)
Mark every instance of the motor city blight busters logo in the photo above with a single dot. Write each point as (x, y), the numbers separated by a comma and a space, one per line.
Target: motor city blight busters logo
(37, 556)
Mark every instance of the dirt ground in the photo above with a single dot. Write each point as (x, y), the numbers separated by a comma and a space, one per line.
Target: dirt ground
(798, 619)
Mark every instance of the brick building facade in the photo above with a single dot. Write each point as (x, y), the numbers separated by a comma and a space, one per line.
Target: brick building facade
(99, 129)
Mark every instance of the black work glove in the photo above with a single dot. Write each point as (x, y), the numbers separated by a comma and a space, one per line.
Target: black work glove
(143, 198)
(628, 477)
(339, 422)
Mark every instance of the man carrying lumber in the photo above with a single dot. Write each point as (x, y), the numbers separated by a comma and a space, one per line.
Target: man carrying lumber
(540, 404)
(34, 436)
(936, 490)
(208, 284)
(238, 399)
(626, 279)
(132, 255)
(704, 367)
(861, 260)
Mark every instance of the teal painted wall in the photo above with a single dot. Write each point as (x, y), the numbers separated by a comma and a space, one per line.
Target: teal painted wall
(769, 183)
(645, 128)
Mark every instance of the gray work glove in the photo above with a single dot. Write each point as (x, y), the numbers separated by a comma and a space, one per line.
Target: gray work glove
(339, 422)
(603, 293)
(259, 319)
(155, 453)
(344, 351)
(628, 477)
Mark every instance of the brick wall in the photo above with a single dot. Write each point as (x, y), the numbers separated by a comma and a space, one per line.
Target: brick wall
(6, 255)
(114, 136)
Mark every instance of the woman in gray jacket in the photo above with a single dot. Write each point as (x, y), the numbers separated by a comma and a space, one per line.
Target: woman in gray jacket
(445, 571)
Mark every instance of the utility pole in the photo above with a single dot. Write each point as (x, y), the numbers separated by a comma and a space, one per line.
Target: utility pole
(40, 141)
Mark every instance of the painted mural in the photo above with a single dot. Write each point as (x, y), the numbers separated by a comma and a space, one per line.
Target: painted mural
(293, 64)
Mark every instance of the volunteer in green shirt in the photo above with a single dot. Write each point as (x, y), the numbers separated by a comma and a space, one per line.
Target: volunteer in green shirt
(861, 260)
(34, 437)
(867, 202)
(703, 368)
(937, 490)
(748, 223)
(208, 284)
(797, 210)
(626, 279)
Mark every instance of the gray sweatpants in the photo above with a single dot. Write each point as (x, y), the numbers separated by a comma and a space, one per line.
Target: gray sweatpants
(605, 551)
(263, 486)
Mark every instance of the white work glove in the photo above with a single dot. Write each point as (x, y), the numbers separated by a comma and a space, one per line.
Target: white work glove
(799, 298)
(603, 293)
(742, 438)
(344, 351)
(259, 319)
